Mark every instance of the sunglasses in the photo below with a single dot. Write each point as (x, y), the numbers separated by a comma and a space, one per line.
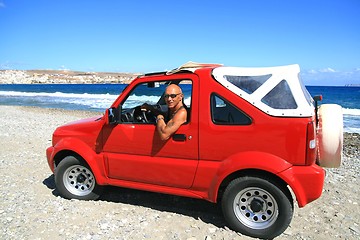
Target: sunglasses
(171, 95)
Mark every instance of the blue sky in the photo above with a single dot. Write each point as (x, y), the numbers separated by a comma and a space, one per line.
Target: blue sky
(322, 36)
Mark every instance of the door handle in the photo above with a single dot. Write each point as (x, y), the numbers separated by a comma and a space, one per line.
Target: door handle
(179, 137)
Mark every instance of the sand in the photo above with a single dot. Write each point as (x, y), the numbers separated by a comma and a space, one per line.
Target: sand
(30, 207)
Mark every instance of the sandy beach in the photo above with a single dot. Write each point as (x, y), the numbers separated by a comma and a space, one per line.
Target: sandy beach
(30, 207)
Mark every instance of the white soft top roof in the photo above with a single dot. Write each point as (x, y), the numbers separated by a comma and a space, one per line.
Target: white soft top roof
(278, 91)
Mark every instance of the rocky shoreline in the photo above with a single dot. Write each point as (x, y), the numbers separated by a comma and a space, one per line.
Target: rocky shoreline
(31, 208)
(62, 76)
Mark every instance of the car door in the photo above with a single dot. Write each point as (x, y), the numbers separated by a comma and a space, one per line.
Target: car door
(134, 151)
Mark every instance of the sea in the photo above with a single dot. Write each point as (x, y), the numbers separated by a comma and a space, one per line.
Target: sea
(98, 97)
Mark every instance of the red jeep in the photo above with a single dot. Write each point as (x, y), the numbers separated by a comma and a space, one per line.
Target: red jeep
(252, 136)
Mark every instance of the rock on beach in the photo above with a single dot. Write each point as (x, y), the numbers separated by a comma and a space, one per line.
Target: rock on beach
(30, 207)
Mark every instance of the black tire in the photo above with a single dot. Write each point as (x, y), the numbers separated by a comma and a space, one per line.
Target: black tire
(257, 207)
(75, 180)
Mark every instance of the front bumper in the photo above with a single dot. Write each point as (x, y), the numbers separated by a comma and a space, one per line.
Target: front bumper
(50, 157)
(307, 182)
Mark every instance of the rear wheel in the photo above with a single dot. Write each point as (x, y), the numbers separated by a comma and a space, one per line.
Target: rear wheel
(257, 207)
(75, 180)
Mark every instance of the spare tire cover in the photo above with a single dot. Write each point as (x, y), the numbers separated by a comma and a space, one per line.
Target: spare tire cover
(330, 135)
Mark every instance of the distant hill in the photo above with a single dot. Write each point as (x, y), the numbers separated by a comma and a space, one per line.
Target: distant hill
(62, 76)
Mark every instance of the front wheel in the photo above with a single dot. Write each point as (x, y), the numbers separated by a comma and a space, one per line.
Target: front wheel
(75, 180)
(257, 207)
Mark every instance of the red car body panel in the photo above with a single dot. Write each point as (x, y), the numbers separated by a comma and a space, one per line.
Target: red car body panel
(306, 181)
(132, 155)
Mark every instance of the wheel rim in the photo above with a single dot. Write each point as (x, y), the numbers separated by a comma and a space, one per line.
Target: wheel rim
(255, 208)
(79, 180)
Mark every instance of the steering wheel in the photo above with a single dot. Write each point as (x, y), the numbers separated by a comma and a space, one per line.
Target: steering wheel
(144, 116)
(148, 116)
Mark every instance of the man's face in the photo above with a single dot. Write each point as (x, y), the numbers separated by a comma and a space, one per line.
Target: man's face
(173, 96)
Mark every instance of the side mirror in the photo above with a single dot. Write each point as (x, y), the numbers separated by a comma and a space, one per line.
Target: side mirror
(113, 115)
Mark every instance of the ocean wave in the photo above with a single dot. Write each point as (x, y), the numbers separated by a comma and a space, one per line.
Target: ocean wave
(93, 100)
(351, 111)
(56, 94)
(97, 101)
(143, 98)
(351, 129)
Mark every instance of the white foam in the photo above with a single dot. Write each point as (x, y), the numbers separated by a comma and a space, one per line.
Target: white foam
(351, 111)
(352, 129)
(143, 99)
(187, 101)
(103, 101)
(55, 94)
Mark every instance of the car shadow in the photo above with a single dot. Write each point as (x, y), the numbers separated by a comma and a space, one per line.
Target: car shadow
(196, 208)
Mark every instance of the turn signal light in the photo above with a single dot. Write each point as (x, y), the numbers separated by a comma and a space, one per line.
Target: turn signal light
(310, 157)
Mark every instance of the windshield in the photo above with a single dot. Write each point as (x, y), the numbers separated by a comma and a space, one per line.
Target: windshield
(152, 93)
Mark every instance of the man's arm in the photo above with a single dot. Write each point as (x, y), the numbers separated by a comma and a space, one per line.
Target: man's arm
(166, 130)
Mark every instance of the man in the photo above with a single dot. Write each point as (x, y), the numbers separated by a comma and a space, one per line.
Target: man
(177, 113)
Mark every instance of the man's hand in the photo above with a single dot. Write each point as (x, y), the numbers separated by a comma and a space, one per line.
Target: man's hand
(146, 107)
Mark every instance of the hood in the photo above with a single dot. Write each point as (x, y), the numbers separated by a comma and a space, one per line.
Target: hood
(86, 130)
(82, 122)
